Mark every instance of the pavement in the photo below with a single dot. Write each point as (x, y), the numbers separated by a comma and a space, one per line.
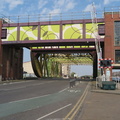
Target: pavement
(101, 105)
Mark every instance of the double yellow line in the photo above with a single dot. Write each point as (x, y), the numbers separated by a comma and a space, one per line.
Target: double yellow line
(77, 106)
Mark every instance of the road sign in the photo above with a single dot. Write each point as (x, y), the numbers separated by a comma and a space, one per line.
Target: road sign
(105, 63)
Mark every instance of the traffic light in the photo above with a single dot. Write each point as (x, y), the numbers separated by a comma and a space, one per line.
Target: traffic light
(105, 63)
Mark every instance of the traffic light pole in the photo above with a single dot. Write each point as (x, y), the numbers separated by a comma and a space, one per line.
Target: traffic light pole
(108, 72)
(106, 65)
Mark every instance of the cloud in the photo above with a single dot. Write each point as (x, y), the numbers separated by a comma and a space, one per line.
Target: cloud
(42, 3)
(106, 2)
(88, 8)
(59, 2)
(45, 11)
(63, 5)
(55, 11)
(2, 5)
(56, 6)
(13, 3)
(70, 5)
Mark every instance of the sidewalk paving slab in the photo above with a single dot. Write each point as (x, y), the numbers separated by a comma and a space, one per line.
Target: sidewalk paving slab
(101, 105)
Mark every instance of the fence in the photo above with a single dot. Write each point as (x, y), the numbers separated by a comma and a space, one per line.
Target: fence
(80, 15)
(57, 16)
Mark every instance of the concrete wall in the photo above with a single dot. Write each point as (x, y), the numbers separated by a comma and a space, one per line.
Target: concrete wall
(27, 67)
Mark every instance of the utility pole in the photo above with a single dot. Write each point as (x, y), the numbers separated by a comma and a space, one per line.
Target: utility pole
(97, 37)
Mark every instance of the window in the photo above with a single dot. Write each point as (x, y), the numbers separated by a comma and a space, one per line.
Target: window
(117, 33)
(117, 56)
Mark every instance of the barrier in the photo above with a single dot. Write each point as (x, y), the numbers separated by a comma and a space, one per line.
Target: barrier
(117, 81)
(99, 81)
(72, 83)
(108, 85)
(102, 82)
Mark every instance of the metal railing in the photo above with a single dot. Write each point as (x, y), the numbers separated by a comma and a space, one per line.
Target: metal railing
(49, 17)
(112, 10)
(57, 16)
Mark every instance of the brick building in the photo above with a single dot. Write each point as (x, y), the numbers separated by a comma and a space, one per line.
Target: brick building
(112, 37)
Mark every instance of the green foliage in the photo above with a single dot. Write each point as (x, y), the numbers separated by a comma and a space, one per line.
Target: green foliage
(72, 74)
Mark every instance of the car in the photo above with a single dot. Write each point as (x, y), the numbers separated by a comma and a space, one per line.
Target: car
(116, 79)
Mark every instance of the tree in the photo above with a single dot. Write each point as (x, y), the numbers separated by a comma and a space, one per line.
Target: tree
(72, 74)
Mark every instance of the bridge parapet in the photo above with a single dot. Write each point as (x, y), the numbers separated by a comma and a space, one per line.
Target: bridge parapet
(57, 31)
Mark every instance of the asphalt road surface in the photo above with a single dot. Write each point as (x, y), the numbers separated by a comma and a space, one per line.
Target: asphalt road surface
(38, 99)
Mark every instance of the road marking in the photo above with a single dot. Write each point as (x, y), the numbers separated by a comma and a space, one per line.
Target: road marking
(18, 106)
(11, 82)
(54, 112)
(41, 83)
(63, 90)
(77, 106)
(26, 86)
(29, 98)
(74, 91)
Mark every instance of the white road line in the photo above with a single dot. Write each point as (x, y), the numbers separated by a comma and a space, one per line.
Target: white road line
(63, 90)
(25, 86)
(14, 82)
(29, 98)
(54, 112)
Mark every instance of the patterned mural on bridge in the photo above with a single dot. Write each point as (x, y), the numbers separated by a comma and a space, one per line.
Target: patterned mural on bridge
(72, 31)
(49, 32)
(28, 33)
(11, 34)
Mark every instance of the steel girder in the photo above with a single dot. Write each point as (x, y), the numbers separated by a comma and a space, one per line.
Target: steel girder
(43, 66)
(50, 65)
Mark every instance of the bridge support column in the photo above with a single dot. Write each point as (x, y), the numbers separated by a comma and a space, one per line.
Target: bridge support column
(12, 63)
(95, 66)
(0, 52)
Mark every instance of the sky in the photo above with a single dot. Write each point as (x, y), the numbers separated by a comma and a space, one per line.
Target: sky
(28, 7)
(25, 7)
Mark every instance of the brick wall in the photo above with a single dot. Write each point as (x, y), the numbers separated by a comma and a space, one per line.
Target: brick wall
(109, 47)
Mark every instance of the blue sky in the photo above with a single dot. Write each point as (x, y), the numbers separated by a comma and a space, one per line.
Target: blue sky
(28, 7)
(20, 7)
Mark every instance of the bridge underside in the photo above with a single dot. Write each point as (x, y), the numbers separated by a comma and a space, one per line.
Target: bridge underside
(46, 61)
(47, 57)
(50, 64)
(61, 39)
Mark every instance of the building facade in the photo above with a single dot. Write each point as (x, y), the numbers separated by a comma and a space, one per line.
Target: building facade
(112, 37)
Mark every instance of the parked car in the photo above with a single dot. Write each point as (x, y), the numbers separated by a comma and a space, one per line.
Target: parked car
(116, 79)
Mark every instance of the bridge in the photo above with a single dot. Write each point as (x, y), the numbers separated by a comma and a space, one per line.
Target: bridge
(50, 42)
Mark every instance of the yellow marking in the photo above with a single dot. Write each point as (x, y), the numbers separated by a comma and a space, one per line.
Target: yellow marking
(75, 109)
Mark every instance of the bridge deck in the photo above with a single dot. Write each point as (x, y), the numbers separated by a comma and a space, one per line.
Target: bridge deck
(40, 34)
